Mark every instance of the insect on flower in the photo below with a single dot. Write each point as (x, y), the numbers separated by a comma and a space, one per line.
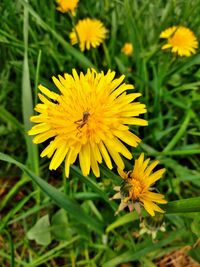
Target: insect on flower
(89, 119)
(83, 121)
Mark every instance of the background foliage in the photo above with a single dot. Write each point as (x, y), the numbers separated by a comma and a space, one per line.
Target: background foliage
(34, 230)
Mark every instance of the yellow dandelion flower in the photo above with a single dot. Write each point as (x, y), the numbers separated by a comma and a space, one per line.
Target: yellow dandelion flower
(88, 119)
(127, 49)
(88, 33)
(65, 6)
(136, 187)
(181, 40)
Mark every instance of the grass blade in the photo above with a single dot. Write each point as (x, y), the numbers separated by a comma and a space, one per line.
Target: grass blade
(132, 255)
(129, 217)
(37, 75)
(13, 191)
(9, 118)
(183, 205)
(12, 252)
(93, 185)
(71, 50)
(50, 254)
(58, 197)
(180, 132)
(16, 209)
(27, 101)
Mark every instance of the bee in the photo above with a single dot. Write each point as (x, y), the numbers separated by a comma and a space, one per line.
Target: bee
(82, 121)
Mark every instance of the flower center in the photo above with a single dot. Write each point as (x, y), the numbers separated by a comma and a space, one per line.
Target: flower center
(135, 189)
(178, 40)
(131, 189)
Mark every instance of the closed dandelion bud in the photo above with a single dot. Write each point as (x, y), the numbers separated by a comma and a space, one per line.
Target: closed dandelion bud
(151, 225)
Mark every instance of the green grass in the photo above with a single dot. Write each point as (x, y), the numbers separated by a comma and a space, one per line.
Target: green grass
(80, 227)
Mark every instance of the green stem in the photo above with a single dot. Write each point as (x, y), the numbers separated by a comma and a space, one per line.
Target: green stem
(107, 55)
(94, 57)
(12, 254)
(37, 74)
(175, 152)
(13, 191)
(180, 132)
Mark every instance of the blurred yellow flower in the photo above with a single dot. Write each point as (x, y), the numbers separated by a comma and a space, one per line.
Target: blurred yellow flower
(88, 33)
(181, 40)
(65, 6)
(127, 49)
(88, 119)
(136, 190)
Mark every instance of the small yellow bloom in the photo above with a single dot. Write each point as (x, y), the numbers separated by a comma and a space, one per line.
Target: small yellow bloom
(65, 6)
(89, 119)
(136, 187)
(181, 40)
(127, 49)
(88, 33)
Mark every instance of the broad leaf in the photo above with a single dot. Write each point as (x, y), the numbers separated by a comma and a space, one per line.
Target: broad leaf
(40, 232)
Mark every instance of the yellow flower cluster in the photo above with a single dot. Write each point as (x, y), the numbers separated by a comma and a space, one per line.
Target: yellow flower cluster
(90, 33)
(89, 119)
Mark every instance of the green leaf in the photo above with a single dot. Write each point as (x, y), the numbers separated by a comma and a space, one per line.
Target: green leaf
(69, 49)
(6, 116)
(27, 101)
(180, 132)
(60, 226)
(132, 255)
(183, 205)
(189, 63)
(195, 254)
(10, 214)
(195, 225)
(62, 200)
(127, 218)
(93, 185)
(47, 255)
(179, 206)
(40, 232)
(12, 251)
